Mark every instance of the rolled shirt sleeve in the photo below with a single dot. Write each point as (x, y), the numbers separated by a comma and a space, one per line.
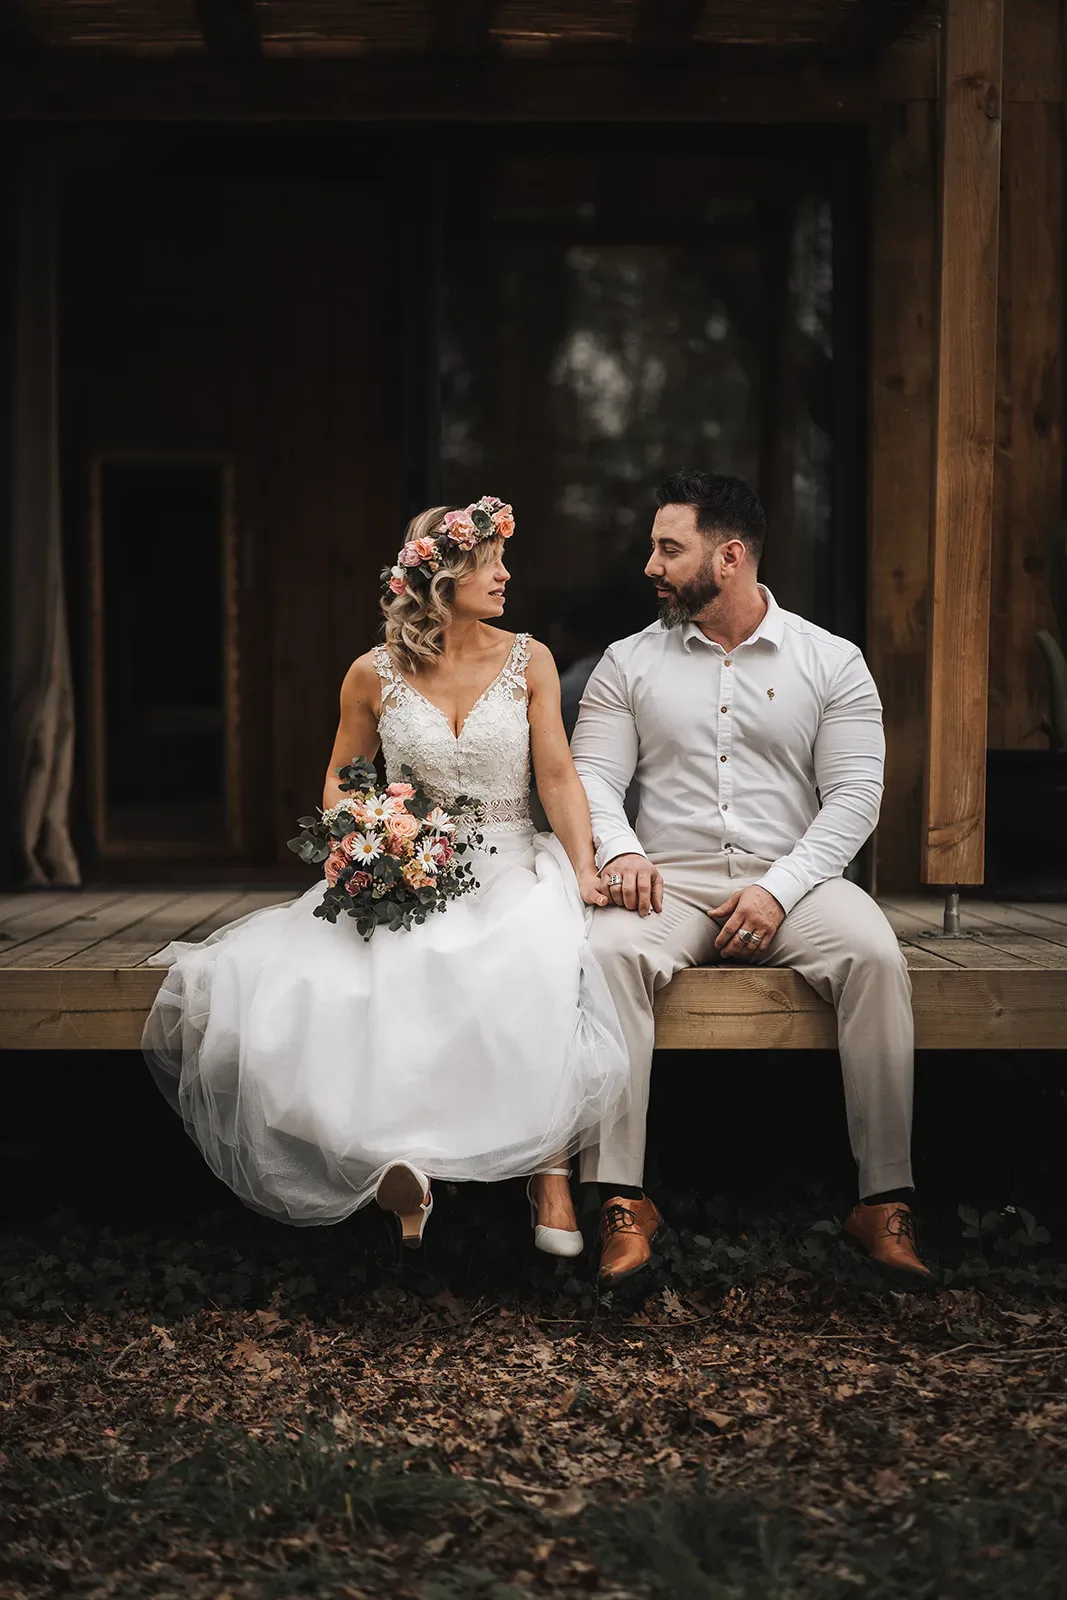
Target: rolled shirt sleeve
(605, 749)
(849, 760)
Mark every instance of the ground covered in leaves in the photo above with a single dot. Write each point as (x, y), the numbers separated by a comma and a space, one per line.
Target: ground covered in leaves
(233, 1411)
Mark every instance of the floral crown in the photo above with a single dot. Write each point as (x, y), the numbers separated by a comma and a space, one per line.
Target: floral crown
(487, 518)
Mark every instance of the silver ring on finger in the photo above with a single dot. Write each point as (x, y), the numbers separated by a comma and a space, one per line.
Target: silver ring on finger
(745, 936)
(614, 880)
(755, 940)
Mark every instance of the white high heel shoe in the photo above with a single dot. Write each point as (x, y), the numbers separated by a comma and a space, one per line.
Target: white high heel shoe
(553, 1241)
(405, 1191)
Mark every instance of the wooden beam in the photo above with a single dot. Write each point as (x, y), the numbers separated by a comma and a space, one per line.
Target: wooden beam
(22, 29)
(871, 26)
(664, 28)
(462, 28)
(728, 85)
(957, 685)
(230, 29)
(903, 351)
(985, 1007)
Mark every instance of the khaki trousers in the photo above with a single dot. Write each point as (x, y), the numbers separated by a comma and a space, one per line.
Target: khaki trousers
(836, 937)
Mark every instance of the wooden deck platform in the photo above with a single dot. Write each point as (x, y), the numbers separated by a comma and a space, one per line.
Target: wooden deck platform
(73, 975)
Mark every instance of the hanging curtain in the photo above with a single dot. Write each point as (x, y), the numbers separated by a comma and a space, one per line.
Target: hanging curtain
(42, 713)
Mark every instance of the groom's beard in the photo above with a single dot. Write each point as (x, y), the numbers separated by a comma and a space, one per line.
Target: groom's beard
(689, 599)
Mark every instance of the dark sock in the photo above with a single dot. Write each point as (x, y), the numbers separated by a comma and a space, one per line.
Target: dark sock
(609, 1191)
(886, 1196)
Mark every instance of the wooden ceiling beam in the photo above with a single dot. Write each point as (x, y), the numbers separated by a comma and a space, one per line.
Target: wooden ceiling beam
(462, 28)
(230, 28)
(664, 29)
(22, 29)
(871, 26)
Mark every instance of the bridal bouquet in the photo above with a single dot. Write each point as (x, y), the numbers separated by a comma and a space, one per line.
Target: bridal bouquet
(391, 855)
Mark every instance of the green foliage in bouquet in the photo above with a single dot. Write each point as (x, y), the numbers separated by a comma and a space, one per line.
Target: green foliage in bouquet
(392, 856)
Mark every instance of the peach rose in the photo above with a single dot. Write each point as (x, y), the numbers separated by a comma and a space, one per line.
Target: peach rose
(414, 876)
(335, 865)
(402, 825)
(349, 845)
(505, 522)
(400, 791)
(427, 548)
(398, 585)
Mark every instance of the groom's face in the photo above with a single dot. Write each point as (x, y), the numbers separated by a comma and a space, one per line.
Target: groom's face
(682, 566)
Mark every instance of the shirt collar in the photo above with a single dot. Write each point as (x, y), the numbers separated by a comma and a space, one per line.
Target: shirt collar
(771, 626)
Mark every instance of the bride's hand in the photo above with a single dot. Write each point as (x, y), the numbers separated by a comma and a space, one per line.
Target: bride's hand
(591, 889)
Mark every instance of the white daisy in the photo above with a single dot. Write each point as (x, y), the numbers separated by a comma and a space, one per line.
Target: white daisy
(381, 808)
(368, 847)
(424, 858)
(440, 821)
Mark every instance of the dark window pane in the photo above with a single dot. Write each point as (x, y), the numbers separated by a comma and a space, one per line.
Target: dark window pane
(161, 541)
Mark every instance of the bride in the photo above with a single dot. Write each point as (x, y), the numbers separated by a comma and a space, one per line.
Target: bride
(316, 1071)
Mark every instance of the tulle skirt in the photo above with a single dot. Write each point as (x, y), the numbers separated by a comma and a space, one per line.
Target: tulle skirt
(480, 1045)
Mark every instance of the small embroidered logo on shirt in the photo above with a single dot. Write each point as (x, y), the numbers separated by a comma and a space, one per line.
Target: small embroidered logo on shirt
(770, 694)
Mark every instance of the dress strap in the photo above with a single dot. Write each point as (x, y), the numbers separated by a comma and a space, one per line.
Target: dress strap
(383, 665)
(514, 673)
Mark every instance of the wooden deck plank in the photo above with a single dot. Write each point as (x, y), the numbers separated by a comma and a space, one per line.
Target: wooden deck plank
(991, 995)
(171, 918)
(1050, 911)
(53, 915)
(78, 937)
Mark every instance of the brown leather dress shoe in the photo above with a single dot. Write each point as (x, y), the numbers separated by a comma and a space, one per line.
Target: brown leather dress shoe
(627, 1229)
(887, 1233)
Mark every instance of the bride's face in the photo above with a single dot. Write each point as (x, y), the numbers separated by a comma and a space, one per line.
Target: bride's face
(480, 595)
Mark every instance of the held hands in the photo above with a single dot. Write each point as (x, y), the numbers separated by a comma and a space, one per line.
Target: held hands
(753, 911)
(641, 888)
(591, 889)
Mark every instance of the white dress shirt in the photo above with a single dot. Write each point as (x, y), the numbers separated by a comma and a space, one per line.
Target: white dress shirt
(774, 749)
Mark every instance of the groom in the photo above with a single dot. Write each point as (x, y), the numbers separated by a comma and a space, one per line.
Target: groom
(756, 741)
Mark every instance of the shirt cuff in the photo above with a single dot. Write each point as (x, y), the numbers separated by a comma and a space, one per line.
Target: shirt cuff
(620, 844)
(780, 882)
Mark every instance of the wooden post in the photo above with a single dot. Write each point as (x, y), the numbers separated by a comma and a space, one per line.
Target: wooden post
(957, 680)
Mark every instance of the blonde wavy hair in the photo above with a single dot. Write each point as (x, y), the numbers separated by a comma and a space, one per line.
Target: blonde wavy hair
(415, 622)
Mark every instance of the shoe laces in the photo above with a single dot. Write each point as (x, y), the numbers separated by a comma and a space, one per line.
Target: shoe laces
(616, 1218)
(901, 1224)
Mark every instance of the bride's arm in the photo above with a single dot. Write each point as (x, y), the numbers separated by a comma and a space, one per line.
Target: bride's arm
(558, 785)
(357, 730)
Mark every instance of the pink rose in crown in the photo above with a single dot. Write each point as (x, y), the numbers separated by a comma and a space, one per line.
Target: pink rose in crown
(335, 865)
(359, 881)
(409, 556)
(400, 791)
(460, 529)
(402, 825)
(427, 548)
(398, 585)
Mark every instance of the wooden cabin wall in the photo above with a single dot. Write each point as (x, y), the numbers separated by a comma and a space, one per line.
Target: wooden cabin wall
(1028, 483)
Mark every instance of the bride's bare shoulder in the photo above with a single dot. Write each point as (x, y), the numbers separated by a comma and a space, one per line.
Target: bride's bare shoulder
(361, 681)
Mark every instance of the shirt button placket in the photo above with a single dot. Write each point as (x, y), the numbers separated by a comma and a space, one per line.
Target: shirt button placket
(726, 749)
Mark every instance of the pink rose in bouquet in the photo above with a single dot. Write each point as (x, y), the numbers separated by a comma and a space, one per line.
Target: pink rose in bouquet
(400, 791)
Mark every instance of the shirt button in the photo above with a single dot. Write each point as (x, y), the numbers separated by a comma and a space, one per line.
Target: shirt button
(727, 662)
(725, 806)
(724, 709)
(722, 758)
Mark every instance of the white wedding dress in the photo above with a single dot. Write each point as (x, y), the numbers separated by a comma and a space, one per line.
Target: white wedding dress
(479, 1045)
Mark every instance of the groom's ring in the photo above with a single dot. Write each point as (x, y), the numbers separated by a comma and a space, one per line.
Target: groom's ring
(747, 937)
(616, 877)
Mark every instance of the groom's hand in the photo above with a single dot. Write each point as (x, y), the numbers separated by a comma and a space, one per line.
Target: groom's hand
(752, 910)
(641, 888)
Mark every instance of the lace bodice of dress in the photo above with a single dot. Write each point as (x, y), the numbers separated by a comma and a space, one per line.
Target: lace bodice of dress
(491, 757)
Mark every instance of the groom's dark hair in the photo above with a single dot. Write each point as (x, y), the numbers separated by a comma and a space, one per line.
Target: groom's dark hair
(724, 506)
